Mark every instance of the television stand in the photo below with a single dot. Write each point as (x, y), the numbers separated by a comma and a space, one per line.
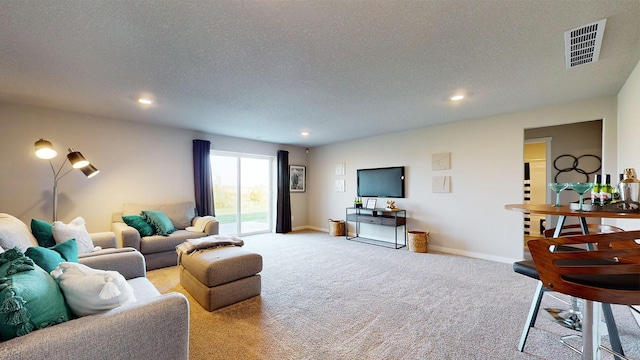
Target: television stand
(378, 216)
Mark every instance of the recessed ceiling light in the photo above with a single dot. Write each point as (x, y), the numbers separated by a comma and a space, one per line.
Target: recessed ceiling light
(304, 133)
(456, 97)
(146, 98)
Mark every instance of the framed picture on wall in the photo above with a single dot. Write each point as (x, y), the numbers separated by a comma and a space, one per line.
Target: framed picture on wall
(297, 178)
(441, 161)
(371, 203)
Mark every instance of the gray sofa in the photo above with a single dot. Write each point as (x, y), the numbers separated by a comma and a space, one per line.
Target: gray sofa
(160, 251)
(154, 327)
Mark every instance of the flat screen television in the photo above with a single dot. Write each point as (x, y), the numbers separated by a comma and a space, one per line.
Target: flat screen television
(381, 182)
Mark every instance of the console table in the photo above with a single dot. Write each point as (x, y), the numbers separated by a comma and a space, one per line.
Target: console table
(378, 216)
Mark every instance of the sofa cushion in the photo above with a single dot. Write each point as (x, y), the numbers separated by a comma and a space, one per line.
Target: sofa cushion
(159, 222)
(31, 299)
(13, 232)
(157, 243)
(180, 214)
(43, 232)
(89, 291)
(217, 266)
(138, 223)
(76, 229)
(49, 258)
(143, 289)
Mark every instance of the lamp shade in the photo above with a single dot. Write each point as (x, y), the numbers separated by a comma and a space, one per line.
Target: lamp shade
(76, 159)
(89, 171)
(44, 149)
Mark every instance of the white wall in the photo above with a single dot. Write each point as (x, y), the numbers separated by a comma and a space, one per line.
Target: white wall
(629, 132)
(141, 162)
(486, 158)
(138, 163)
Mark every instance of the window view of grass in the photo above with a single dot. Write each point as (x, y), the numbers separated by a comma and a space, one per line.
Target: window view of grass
(254, 193)
(255, 204)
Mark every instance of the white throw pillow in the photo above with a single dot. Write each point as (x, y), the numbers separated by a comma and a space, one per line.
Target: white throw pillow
(13, 232)
(76, 229)
(88, 291)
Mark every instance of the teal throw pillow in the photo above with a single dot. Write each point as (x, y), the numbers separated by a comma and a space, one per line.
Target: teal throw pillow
(30, 298)
(43, 232)
(138, 223)
(159, 221)
(49, 258)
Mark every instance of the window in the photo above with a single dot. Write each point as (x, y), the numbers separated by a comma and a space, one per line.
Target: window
(242, 190)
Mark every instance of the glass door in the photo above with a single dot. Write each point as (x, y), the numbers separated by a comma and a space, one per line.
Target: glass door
(242, 191)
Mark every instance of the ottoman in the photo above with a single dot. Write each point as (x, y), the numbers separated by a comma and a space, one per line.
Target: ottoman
(221, 276)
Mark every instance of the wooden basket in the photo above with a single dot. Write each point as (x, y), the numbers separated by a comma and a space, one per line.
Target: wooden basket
(336, 227)
(417, 241)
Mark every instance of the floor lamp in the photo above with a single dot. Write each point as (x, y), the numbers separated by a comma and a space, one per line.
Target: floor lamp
(44, 150)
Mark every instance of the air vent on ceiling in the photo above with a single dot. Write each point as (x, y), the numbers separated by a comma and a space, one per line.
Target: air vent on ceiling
(582, 45)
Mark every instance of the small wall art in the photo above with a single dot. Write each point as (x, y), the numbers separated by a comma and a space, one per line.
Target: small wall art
(441, 184)
(340, 168)
(339, 185)
(441, 161)
(297, 178)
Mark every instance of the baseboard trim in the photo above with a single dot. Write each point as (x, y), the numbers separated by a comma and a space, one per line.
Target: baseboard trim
(476, 255)
(442, 249)
(298, 228)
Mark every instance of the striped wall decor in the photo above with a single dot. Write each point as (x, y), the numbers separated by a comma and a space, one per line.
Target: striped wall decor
(527, 197)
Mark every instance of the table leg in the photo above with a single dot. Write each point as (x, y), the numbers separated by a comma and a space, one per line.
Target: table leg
(583, 225)
(590, 336)
(567, 318)
(559, 226)
(614, 336)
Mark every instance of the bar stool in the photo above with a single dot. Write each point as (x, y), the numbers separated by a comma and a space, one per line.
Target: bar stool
(528, 268)
(608, 274)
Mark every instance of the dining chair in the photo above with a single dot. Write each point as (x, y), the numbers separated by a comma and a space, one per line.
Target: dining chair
(528, 268)
(608, 272)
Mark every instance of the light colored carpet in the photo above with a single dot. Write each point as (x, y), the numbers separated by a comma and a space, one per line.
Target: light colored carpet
(325, 297)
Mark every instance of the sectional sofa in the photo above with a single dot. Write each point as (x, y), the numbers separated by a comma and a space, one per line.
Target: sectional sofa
(160, 250)
(154, 327)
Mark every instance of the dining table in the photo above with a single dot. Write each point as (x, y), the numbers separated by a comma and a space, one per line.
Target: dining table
(590, 336)
(564, 211)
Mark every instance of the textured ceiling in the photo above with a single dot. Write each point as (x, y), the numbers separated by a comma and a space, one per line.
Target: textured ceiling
(341, 69)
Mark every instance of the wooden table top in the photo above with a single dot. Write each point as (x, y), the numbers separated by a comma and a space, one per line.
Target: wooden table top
(564, 210)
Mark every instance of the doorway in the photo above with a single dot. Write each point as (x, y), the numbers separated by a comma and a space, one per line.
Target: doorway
(573, 153)
(242, 191)
(536, 158)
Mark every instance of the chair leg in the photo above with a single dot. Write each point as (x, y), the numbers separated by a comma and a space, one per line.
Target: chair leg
(614, 337)
(533, 314)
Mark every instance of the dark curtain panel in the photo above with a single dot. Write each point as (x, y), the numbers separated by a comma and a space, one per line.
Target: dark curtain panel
(283, 216)
(203, 184)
